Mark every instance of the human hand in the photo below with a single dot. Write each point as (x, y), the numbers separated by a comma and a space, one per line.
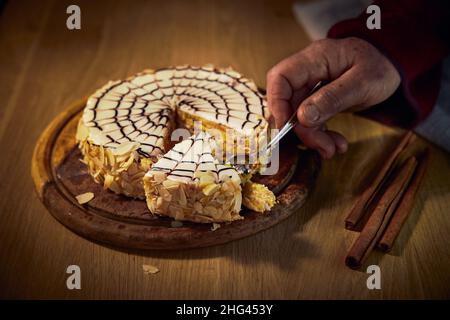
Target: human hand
(357, 76)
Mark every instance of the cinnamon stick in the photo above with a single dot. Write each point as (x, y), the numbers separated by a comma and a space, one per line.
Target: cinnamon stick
(405, 206)
(361, 206)
(382, 213)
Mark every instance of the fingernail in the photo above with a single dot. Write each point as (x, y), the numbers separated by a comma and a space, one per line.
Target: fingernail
(311, 113)
(342, 148)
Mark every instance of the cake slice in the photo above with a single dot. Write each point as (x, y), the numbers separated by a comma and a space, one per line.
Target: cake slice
(127, 124)
(189, 183)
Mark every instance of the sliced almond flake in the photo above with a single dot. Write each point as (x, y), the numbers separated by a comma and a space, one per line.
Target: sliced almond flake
(102, 155)
(176, 224)
(110, 157)
(85, 197)
(128, 162)
(149, 269)
(215, 226)
(108, 180)
(183, 199)
(210, 189)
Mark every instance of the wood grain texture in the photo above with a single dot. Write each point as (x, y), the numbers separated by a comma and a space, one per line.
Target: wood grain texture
(113, 219)
(45, 67)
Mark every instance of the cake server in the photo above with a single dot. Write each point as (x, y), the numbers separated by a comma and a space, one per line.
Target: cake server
(290, 124)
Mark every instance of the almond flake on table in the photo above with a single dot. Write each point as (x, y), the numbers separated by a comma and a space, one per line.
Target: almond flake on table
(85, 197)
(176, 224)
(149, 269)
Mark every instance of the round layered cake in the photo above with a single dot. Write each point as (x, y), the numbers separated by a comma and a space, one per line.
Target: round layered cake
(126, 126)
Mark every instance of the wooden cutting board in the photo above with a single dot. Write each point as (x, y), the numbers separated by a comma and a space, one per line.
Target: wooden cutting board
(120, 221)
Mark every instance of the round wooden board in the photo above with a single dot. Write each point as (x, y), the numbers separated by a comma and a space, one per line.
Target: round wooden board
(120, 221)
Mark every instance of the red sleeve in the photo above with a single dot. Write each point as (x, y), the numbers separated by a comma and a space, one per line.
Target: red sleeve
(414, 36)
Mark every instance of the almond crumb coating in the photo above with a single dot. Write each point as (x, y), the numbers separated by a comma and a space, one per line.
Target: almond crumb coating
(121, 170)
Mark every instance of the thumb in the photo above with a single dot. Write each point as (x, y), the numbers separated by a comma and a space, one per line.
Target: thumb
(338, 95)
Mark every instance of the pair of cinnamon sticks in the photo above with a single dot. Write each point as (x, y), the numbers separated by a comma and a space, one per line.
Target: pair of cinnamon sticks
(385, 205)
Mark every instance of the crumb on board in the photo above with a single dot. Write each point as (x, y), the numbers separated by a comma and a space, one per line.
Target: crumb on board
(149, 269)
(215, 226)
(85, 197)
(176, 224)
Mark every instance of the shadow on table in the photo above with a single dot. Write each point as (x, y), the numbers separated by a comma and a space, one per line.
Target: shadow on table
(283, 245)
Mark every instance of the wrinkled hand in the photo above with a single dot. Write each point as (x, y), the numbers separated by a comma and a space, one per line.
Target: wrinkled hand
(357, 76)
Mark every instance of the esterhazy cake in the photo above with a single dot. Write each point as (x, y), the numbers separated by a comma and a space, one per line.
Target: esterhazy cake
(189, 183)
(126, 125)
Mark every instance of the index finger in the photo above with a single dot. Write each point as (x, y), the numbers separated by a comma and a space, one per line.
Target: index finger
(294, 75)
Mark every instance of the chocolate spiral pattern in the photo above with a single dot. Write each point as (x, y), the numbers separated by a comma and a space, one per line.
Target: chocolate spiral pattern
(141, 108)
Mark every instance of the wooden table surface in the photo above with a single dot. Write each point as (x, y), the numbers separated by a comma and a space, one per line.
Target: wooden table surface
(44, 67)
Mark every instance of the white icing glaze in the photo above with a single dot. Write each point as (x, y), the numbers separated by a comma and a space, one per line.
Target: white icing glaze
(140, 108)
